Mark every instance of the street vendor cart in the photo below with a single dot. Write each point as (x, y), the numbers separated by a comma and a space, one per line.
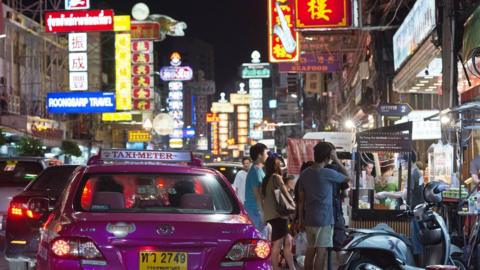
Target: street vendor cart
(389, 150)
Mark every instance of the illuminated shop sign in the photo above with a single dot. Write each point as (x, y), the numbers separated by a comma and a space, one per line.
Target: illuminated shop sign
(419, 23)
(322, 13)
(77, 4)
(117, 117)
(139, 136)
(176, 73)
(123, 72)
(80, 102)
(255, 71)
(283, 40)
(78, 21)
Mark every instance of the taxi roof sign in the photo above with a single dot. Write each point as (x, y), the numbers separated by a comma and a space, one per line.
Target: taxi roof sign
(143, 155)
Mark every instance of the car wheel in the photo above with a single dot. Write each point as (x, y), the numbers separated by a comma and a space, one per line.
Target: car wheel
(18, 266)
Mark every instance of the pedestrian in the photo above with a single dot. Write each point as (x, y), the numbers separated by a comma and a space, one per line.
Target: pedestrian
(279, 224)
(296, 195)
(316, 203)
(241, 178)
(253, 185)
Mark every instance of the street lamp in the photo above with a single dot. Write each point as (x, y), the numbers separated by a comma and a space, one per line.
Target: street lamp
(349, 124)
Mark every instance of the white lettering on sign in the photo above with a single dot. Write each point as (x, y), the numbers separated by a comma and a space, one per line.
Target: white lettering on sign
(80, 102)
(87, 20)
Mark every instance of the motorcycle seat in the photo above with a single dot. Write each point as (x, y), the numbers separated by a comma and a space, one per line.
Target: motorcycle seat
(382, 231)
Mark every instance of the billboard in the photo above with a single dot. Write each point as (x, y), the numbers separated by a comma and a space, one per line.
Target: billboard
(123, 72)
(322, 13)
(312, 62)
(80, 102)
(77, 4)
(283, 41)
(79, 21)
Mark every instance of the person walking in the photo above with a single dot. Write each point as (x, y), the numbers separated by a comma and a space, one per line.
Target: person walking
(279, 224)
(316, 199)
(241, 178)
(253, 184)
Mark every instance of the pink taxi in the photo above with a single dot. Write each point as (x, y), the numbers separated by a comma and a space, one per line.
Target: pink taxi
(131, 210)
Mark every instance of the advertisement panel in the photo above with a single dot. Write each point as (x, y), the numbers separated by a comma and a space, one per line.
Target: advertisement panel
(145, 30)
(79, 21)
(142, 93)
(142, 69)
(312, 62)
(283, 41)
(78, 61)
(138, 136)
(77, 42)
(141, 58)
(123, 72)
(142, 105)
(255, 70)
(78, 81)
(179, 73)
(121, 23)
(142, 46)
(117, 117)
(419, 23)
(77, 4)
(322, 13)
(80, 102)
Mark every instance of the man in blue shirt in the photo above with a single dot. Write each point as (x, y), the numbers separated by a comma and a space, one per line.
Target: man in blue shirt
(316, 203)
(253, 185)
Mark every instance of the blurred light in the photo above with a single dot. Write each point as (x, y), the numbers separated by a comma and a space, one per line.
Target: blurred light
(349, 124)
(445, 119)
(147, 125)
(294, 95)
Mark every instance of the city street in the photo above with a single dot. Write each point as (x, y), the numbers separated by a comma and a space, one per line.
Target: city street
(191, 135)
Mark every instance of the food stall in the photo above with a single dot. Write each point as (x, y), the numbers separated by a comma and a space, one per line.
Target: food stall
(381, 195)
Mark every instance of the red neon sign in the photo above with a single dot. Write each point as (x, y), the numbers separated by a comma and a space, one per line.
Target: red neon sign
(322, 13)
(283, 40)
(79, 21)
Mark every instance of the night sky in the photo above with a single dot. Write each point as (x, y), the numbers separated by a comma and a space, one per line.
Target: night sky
(233, 27)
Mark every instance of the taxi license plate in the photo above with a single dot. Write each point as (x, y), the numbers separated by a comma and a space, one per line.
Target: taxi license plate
(153, 260)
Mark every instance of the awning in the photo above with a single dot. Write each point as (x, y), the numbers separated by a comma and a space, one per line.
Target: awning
(471, 38)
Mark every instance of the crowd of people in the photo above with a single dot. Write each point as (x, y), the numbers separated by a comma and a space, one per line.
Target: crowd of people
(280, 206)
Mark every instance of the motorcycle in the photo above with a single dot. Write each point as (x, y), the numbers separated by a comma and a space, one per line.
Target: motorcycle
(383, 248)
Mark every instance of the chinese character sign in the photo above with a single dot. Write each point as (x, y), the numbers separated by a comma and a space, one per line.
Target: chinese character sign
(78, 61)
(322, 13)
(77, 42)
(142, 74)
(282, 39)
(123, 72)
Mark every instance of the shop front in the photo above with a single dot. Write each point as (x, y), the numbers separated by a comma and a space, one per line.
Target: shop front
(417, 61)
(383, 184)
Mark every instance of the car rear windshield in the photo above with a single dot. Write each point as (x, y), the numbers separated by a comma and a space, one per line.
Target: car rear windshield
(157, 193)
(228, 171)
(53, 179)
(18, 173)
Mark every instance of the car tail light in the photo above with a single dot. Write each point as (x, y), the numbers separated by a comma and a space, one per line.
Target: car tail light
(75, 248)
(249, 250)
(20, 210)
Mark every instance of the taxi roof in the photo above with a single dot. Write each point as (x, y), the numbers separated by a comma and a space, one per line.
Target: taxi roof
(146, 168)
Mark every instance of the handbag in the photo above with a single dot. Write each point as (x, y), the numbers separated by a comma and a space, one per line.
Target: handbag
(283, 205)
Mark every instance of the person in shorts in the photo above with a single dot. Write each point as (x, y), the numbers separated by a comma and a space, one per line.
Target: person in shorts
(316, 199)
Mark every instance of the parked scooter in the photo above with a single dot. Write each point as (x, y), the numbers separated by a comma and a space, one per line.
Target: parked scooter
(382, 248)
